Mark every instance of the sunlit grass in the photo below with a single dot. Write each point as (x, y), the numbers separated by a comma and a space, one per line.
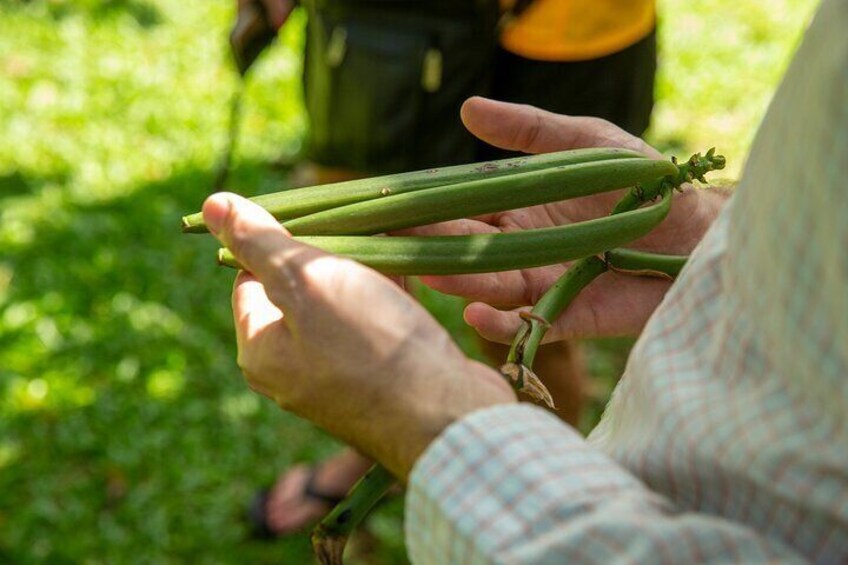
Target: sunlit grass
(719, 64)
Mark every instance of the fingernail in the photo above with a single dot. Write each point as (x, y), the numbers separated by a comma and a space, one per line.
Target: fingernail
(215, 211)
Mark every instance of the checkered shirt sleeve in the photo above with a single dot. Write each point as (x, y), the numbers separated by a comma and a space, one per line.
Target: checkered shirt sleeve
(727, 438)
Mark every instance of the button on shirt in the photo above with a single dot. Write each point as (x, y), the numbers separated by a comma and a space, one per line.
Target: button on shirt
(727, 437)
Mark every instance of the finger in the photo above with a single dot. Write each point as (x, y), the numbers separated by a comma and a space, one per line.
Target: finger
(519, 127)
(252, 311)
(492, 324)
(613, 305)
(501, 289)
(504, 288)
(501, 326)
(260, 244)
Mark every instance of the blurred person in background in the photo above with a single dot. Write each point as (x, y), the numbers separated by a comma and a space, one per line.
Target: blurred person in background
(384, 81)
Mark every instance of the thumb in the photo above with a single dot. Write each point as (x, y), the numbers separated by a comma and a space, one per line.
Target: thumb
(519, 127)
(261, 244)
(492, 324)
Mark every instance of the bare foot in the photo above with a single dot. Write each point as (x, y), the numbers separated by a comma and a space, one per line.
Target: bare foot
(294, 504)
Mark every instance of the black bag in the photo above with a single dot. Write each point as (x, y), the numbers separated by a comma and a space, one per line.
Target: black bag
(384, 80)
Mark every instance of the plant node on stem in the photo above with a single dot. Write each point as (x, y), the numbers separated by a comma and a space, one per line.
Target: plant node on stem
(518, 367)
(526, 381)
(693, 169)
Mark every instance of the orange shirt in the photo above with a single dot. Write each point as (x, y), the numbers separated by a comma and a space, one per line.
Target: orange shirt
(575, 30)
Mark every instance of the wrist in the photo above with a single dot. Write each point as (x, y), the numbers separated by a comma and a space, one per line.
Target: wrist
(432, 404)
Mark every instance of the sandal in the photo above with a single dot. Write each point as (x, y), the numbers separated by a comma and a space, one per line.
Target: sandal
(257, 511)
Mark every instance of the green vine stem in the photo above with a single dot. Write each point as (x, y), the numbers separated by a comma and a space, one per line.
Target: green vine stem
(330, 536)
(518, 367)
(694, 169)
(577, 277)
(640, 263)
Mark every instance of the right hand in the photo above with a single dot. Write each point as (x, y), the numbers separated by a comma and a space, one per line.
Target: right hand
(338, 343)
(278, 10)
(614, 304)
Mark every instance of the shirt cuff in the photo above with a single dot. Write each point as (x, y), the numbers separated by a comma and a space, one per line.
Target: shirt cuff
(478, 485)
(513, 484)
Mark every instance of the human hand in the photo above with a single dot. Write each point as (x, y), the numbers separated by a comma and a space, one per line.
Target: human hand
(341, 345)
(612, 305)
(278, 11)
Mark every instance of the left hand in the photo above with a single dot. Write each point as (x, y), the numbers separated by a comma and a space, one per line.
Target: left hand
(614, 304)
(341, 345)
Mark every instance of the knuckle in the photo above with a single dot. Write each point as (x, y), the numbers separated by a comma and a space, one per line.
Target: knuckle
(236, 232)
(528, 133)
(253, 386)
(286, 276)
(245, 367)
(251, 368)
(259, 385)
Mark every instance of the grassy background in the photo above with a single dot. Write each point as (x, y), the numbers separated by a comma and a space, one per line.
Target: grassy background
(126, 434)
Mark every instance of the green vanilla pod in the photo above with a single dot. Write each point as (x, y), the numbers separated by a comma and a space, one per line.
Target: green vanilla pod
(481, 196)
(481, 253)
(297, 202)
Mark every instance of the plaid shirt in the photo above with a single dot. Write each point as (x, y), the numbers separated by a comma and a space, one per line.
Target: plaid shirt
(727, 438)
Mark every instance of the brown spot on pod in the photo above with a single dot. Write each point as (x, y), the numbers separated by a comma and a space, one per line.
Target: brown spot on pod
(487, 168)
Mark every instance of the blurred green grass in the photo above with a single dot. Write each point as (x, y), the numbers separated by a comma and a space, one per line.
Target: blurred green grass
(126, 433)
